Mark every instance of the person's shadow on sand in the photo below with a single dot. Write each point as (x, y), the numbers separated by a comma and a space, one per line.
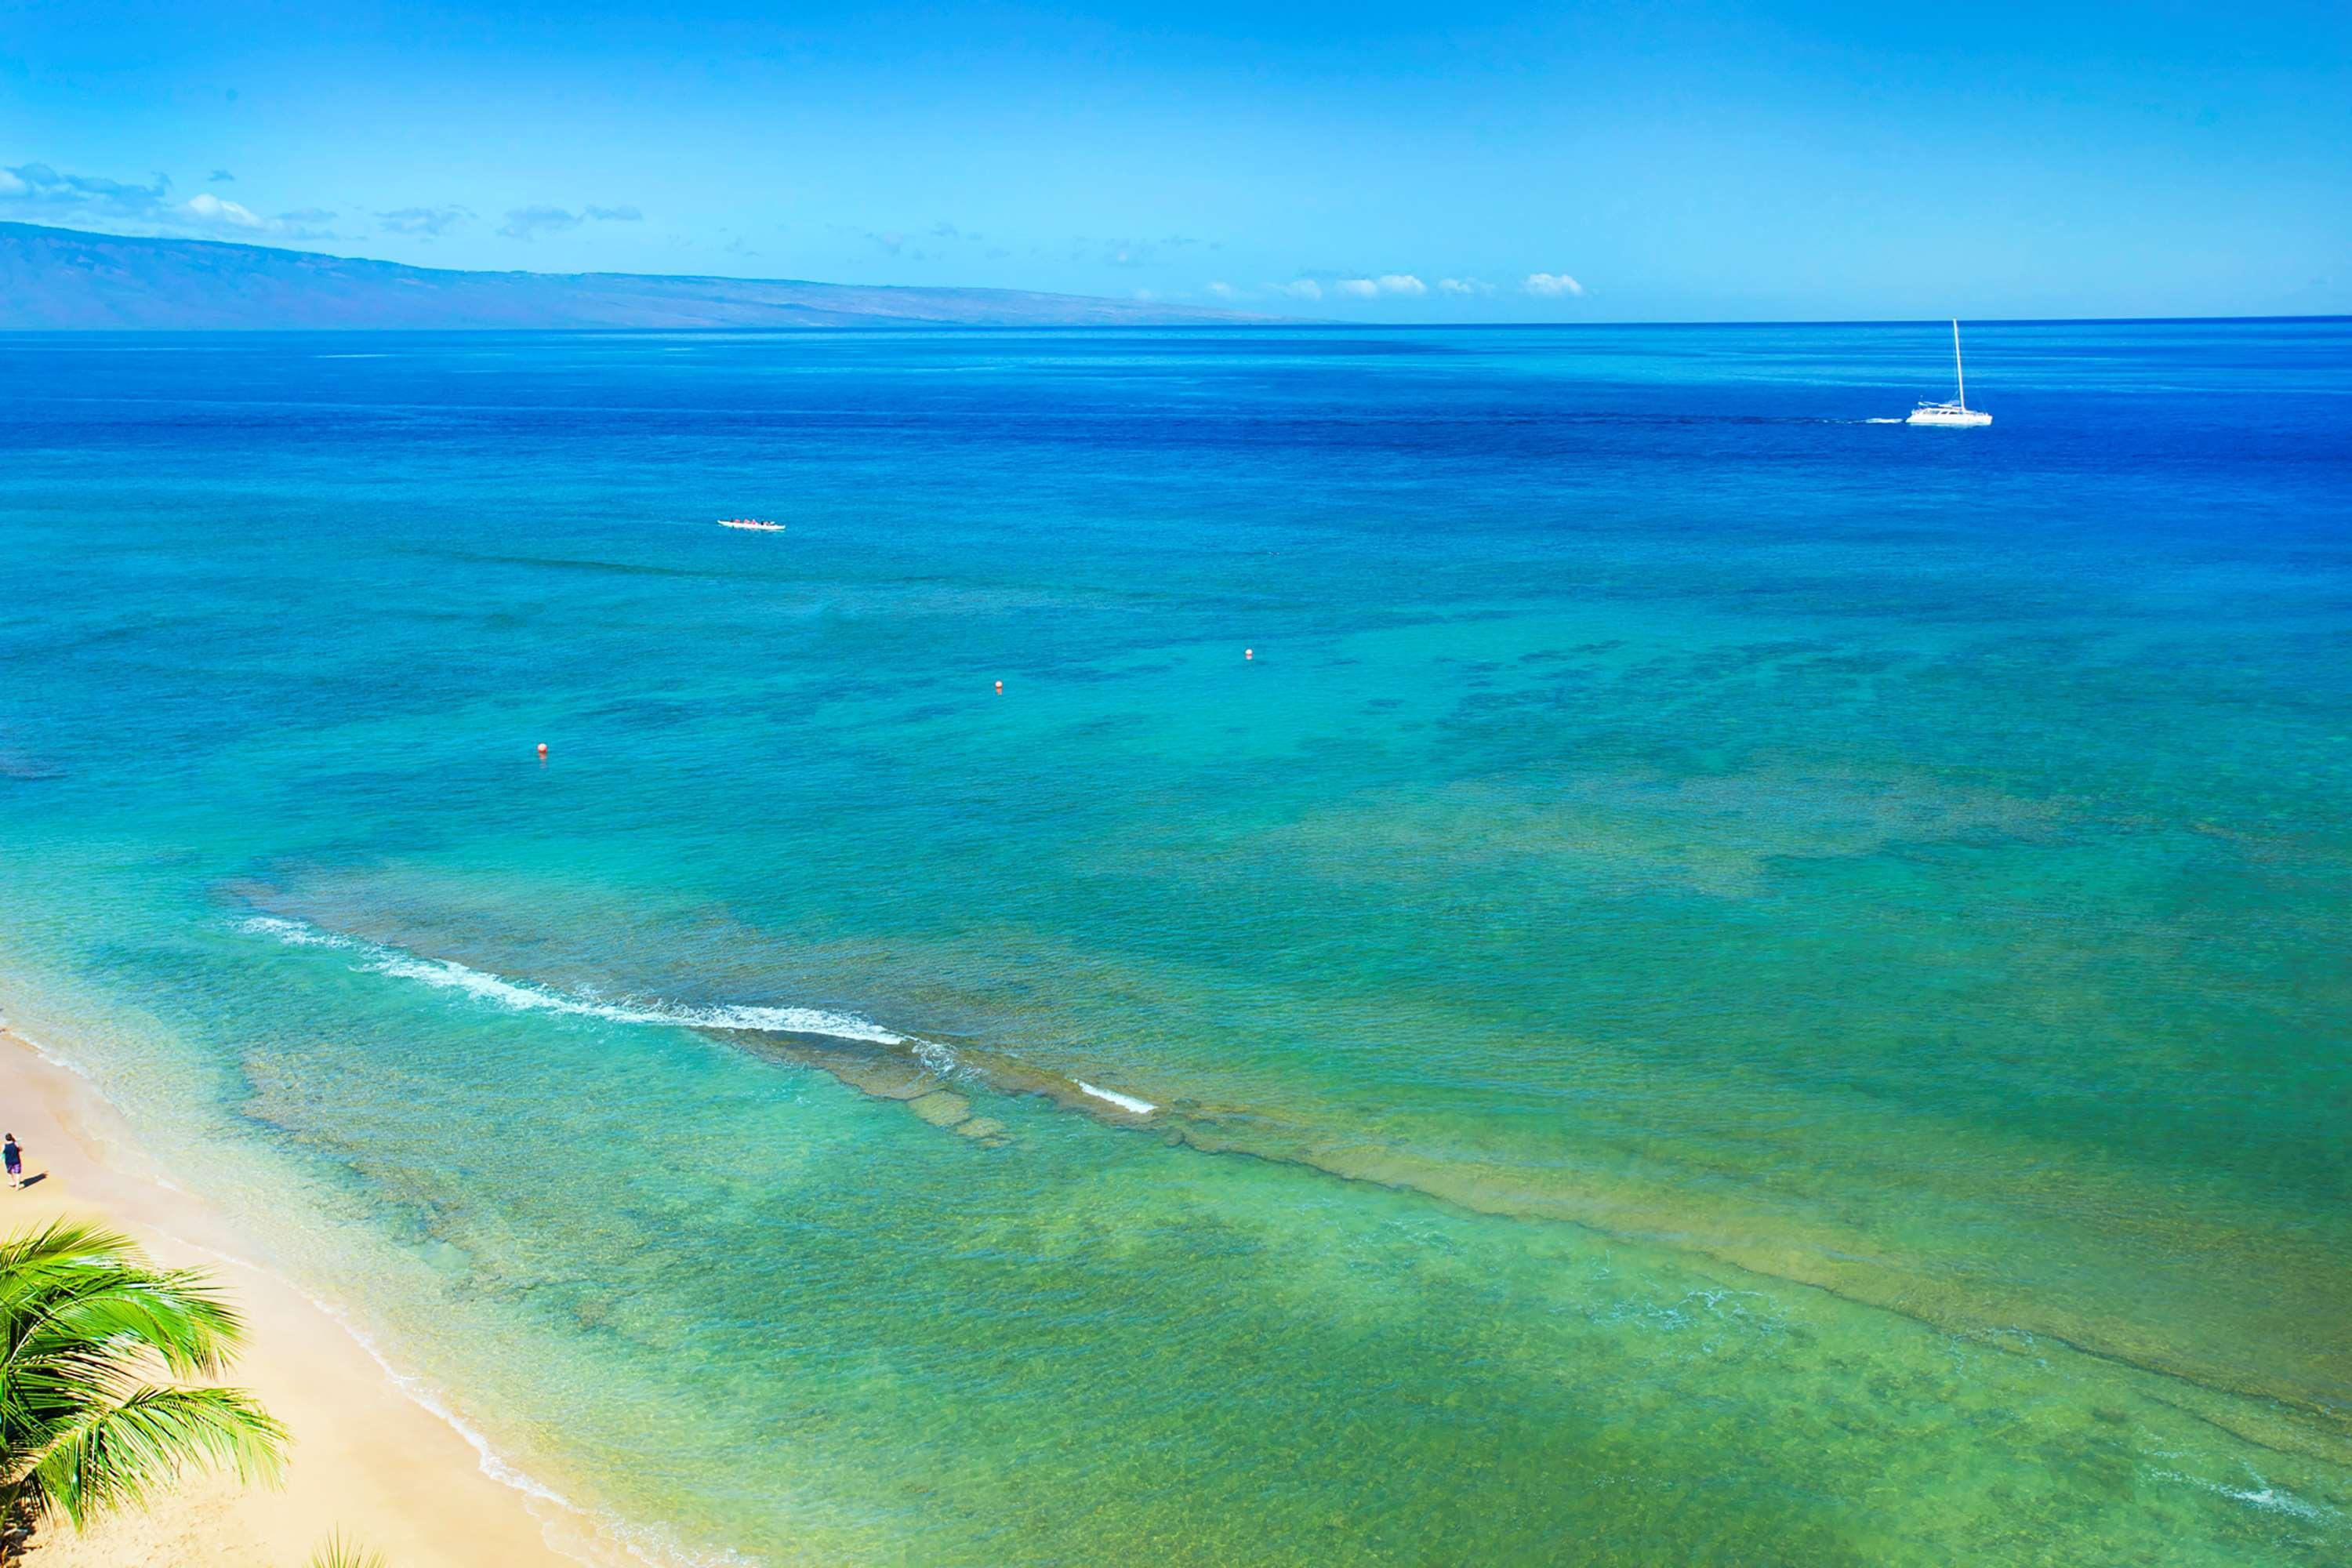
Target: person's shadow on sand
(34, 1180)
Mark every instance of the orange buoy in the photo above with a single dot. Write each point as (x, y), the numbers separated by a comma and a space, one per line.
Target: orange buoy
(543, 748)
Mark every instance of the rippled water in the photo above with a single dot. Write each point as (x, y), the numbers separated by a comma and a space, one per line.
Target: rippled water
(1723, 983)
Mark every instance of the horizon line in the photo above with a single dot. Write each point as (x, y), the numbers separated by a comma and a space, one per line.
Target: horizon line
(1243, 320)
(1276, 324)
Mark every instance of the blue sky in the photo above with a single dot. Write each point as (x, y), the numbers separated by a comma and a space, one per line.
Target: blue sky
(1457, 162)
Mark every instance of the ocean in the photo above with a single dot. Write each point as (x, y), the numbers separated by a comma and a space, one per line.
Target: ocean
(1563, 946)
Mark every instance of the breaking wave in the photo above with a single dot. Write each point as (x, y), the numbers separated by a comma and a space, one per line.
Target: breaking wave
(1126, 1102)
(524, 995)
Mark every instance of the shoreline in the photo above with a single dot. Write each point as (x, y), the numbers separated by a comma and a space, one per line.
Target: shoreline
(368, 1458)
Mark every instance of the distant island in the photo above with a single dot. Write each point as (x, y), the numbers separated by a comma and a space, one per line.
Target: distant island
(70, 279)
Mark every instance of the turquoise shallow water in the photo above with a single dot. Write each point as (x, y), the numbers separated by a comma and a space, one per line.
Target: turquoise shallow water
(1730, 984)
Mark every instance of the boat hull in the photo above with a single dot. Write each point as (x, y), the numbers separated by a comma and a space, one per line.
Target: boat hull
(1949, 419)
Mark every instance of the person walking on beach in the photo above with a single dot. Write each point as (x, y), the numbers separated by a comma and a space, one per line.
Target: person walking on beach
(13, 1158)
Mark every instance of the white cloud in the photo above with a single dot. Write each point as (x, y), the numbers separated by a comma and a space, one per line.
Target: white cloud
(41, 193)
(1401, 283)
(1464, 286)
(1361, 288)
(1303, 289)
(1553, 285)
(205, 207)
(1224, 290)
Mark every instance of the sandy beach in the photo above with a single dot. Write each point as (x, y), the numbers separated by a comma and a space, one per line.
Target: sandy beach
(366, 1459)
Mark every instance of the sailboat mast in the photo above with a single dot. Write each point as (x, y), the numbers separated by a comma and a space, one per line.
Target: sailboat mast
(1957, 374)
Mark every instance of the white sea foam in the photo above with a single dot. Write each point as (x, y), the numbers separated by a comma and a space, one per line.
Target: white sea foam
(1124, 1102)
(423, 1393)
(2260, 1495)
(649, 1545)
(294, 933)
(585, 1533)
(523, 996)
(47, 1055)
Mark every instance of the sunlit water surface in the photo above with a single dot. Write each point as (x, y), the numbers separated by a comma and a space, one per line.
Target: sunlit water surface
(1726, 984)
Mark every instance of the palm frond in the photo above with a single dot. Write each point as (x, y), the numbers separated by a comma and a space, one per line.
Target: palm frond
(86, 1324)
(116, 1453)
(28, 1249)
(338, 1552)
(173, 1314)
(76, 1284)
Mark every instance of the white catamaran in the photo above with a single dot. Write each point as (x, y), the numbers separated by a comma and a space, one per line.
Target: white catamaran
(1956, 412)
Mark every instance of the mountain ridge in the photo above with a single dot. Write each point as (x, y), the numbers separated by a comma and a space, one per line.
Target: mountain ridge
(83, 280)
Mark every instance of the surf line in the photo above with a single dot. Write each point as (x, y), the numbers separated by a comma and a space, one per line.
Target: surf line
(929, 1056)
(1126, 1102)
(526, 996)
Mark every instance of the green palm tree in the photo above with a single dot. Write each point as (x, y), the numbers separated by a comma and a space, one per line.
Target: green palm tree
(84, 1425)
